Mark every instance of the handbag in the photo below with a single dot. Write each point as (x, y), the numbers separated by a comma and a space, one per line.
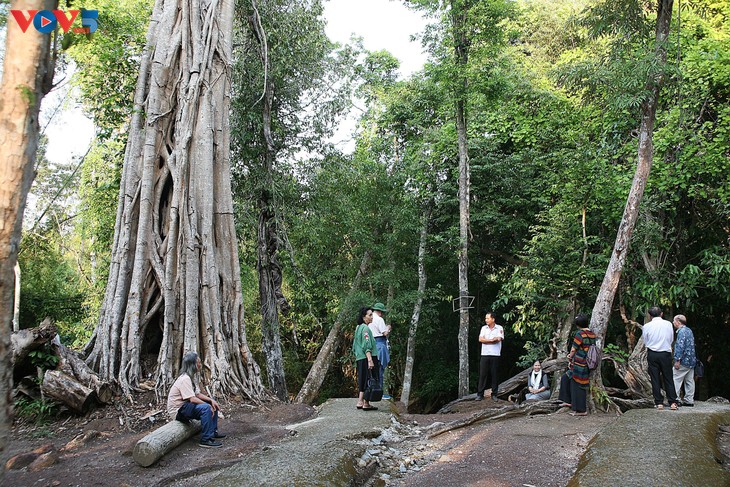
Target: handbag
(699, 368)
(373, 391)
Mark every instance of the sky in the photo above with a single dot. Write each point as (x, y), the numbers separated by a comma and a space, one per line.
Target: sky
(383, 24)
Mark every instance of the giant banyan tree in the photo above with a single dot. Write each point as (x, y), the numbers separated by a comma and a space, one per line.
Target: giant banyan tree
(174, 284)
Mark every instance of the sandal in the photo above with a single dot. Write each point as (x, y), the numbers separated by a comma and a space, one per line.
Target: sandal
(565, 405)
(575, 413)
(673, 407)
(660, 407)
(370, 408)
(359, 407)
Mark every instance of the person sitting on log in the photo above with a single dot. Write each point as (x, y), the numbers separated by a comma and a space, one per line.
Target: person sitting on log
(185, 402)
(538, 386)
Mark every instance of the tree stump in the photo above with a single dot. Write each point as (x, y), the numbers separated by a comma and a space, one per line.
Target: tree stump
(162, 440)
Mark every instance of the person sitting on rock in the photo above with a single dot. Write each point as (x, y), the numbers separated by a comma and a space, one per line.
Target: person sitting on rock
(185, 402)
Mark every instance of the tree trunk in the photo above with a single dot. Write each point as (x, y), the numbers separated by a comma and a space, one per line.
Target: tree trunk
(270, 275)
(458, 19)
(607, 292)
(27, 77)
(634, 372)
(162, 440)
(317, 373)
(16, 298)
(270, 279)
(174, 282)
(411, 347)
(68, 391)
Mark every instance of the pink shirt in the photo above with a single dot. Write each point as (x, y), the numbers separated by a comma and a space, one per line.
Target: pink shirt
(181, 391)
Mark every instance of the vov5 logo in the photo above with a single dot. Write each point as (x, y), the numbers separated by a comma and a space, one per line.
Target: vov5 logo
(45, 21)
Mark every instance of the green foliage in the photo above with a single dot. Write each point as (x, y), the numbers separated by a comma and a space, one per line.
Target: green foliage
(533, 351)
(108, 63)
(44, 359)
(618, 354)
(600, 396)
(37, 410)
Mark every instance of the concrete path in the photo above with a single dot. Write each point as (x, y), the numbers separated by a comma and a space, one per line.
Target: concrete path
(321, 451)
(647, 447)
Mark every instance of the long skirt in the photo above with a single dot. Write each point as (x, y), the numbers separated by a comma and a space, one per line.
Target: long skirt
(573, 393)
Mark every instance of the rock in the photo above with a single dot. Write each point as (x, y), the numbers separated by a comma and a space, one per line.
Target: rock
(43, 461)
(80, 440)
(402, 468)
(22, 460)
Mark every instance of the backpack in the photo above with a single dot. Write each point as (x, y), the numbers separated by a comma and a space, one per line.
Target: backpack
(594, 357)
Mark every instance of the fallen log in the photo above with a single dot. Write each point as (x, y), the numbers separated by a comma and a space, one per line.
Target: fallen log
(72, 365)
(25, 341)
(504, 412)
(68, 391)
(626, 404)
(162, 440)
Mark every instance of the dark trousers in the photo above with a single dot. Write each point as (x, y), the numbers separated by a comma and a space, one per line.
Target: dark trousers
(660, 370)
(574, 394)
(488, 368)
(203, 412)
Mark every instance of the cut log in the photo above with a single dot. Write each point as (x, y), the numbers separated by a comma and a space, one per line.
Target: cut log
(162, 440)
(68, 391)
(72, 365)
(25, 341)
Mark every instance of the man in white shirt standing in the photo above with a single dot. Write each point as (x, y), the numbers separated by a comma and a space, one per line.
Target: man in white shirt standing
(380, 333)
(658, 336)
(491, 337)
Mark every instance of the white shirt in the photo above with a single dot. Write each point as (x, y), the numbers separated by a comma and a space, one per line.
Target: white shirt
(494, 349)
(378, 326)
(658, 335)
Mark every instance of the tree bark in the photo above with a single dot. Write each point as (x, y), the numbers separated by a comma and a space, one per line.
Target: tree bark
(16, 298)
(73, 366)
(461, 54)
(604, 300)
(162, 440)
(27, 77)
(270, 279)
(25, 341)
(317, 373)
(270, 274)
(68, 391)
(174, 282)
(411, 347)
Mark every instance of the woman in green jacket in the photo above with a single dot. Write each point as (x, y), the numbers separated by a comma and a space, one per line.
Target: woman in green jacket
(364, 347)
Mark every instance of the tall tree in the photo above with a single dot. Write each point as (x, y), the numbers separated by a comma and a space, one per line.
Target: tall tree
(459, 11)
(27, 76)
(285, 64)
(607, 292)
(174, 283)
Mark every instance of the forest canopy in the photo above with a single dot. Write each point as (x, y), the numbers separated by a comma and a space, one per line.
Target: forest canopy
(553, 93)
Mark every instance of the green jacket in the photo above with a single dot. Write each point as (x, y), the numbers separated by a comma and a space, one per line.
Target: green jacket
(363, 342)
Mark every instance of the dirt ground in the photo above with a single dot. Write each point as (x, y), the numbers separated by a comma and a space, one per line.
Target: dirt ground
(106, 459)
(540, 450)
